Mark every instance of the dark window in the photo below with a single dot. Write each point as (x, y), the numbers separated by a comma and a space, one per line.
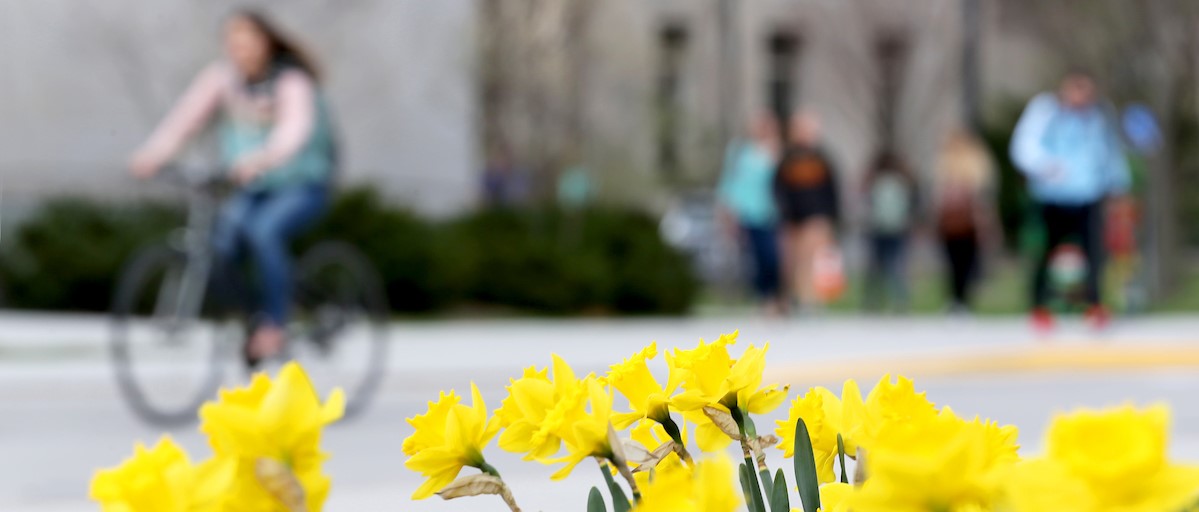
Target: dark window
(891, 52)
(672, 52)
(782, 68)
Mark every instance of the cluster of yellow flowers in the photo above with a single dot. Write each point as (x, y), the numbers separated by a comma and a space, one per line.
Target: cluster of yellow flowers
(916, 458)
(907, 454)
(265, 440)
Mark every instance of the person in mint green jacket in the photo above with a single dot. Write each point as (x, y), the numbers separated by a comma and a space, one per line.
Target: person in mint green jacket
(276, 140)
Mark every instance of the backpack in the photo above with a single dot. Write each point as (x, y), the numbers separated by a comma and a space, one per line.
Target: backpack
(891, 204)
(955, 217)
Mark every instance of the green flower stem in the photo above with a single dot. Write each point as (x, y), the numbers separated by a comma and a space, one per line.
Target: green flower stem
(628, 476)
(748, 431)
(841, 454)
(620, 502)
(755, 444)
(672, 429)
(505, 492)
(489, 469)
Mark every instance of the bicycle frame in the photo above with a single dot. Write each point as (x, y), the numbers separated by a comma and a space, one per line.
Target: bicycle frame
(182, 296)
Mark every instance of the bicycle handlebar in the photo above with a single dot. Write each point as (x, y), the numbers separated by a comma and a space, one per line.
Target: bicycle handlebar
(195, 179)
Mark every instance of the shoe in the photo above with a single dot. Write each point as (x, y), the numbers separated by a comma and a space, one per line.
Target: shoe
(1042, 321)
(1098, 318)
(266, 342)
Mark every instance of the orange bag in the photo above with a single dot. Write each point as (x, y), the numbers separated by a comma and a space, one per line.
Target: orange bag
(828, 275)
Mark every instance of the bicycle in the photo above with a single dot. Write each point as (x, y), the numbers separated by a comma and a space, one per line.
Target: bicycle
(167, 315)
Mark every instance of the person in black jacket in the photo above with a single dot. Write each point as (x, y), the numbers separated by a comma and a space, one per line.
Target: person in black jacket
(805, 188)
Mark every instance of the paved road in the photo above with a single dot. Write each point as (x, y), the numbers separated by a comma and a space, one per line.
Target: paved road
(60, 416)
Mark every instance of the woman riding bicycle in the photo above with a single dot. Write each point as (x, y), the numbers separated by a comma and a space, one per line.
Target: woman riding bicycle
(277, 143)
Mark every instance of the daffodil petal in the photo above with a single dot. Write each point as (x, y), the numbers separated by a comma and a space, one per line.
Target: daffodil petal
(571, 462)
(334, 407)
(710, 438)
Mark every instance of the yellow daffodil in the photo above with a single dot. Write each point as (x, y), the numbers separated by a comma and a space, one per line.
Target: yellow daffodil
(706, 488)
(1101, 461)
(648, 399)
(449, 436)
(537, 409)
(163, 479)
(834, 497)
(279, 420)
(585, 431)
(711, 378)
(934, 464)
(889, 403)
(824, 417)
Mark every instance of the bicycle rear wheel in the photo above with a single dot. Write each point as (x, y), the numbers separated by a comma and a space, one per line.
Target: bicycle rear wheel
(165, 352)
(342, 319)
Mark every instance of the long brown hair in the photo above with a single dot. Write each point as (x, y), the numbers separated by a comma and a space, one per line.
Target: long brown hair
(284, 49)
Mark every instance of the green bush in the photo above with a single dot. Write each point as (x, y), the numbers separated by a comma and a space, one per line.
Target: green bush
(542, 261)
(68, 254)
(401, 245)
(1013, 200)
(599, 261)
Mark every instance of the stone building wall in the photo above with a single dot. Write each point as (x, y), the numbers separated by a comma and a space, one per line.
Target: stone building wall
(84, 81)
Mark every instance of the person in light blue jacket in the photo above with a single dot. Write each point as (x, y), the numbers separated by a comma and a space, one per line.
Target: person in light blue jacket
(746, 201)
(1068, 147)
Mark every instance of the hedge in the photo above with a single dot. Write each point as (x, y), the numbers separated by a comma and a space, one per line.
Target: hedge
(539, 261)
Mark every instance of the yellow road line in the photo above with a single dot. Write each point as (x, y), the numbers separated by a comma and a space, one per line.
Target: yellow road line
(1025, 359)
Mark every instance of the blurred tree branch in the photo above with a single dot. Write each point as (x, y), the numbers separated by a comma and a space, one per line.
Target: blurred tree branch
(533, 76)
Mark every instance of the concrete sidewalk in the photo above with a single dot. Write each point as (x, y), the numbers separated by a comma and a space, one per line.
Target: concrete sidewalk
(796, 344)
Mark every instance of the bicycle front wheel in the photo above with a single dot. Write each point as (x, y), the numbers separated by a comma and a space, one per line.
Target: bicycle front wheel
(165, 352)
(341, 322)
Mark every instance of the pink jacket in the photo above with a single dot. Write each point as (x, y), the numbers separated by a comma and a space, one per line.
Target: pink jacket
(289, 114)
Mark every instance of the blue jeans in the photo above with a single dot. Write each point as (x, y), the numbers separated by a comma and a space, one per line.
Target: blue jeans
(264, 222)
(763, 248)
(885, 279)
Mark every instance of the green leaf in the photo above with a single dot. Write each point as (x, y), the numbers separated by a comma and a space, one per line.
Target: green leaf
(767, 487)
(779, 500)
(749, 488)
(595, 501)
(755, 489)
(746, 488)
(805, 469)
(841, 453)
(620, 501)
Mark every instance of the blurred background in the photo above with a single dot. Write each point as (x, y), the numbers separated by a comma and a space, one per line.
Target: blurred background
(622, 111)
(521, 169)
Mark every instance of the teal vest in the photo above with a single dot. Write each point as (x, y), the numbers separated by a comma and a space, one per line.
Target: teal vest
(246, 127)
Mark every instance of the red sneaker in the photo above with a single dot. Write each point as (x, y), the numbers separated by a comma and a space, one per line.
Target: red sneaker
(1042, 321)
(1099, 318)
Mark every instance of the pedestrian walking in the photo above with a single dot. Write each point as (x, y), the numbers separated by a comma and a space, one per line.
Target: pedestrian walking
(747, 205)
(892, 213)
(966, 215)
(1068, 146)
(805, 187)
